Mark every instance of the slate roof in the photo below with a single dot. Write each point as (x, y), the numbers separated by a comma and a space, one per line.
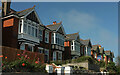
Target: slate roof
(72, 36)
(20, 13)
(53, 27)
(107, 52)
(85, 42)
(24, 12)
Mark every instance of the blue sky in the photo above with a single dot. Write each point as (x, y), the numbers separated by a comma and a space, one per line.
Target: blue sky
(95, 20)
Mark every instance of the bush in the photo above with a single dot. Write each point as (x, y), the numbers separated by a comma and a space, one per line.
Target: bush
(102, 64)
(84, 58)
(23, 65)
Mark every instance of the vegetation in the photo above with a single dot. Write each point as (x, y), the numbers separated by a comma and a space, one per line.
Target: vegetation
(111, 67)
(102, 64)
(23, 64)
(59, 62)
(85, 58)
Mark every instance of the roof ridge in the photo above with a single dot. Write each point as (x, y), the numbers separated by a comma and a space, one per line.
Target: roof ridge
(53, 24)
(26, 9)
(73, 33)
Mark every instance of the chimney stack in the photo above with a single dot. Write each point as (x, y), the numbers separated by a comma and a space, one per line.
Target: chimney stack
(5, 7)
(54, 22)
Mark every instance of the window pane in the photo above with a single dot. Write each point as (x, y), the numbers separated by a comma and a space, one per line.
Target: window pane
(32, 31)
(29, 30)
(35, 32)
(25, 28)
(22, 47)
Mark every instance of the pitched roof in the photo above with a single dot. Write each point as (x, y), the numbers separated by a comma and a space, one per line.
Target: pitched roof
(102, 50)
(54, 27)
(107, 52)
(94, 47)
(72, 36)
(85, 42)
(24, 12)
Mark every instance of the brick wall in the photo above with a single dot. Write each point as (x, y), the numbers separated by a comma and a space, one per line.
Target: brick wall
(11, 54)
(10, 32)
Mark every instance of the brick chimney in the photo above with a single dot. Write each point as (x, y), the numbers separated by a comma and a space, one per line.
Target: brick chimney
(5, 7)
(54, 22)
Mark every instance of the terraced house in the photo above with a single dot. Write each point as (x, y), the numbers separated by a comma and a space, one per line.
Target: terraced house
(109, 56)
(86, 48)
(25, 30)
(72, 46)
(58, 38)
(95, 51)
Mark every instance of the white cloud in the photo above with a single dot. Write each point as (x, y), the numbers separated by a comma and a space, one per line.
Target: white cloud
(78, 20)
(90, 27)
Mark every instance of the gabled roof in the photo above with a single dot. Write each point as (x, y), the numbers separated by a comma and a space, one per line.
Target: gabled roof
(72, 36)
(56, 27)
(107, 52)
(24, 12)
(95, 47)
(53, 27)
(102, 50)
(86, 42)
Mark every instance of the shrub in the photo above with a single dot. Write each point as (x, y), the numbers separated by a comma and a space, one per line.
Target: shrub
(84, 58)
(102, 64)
(23, 65)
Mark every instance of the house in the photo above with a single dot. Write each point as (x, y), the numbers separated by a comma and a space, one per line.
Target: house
(95, 51)
(82, 48)
(109, 56)
(102, 52)
(72, 46)
(87, 47)
(24, 30)
(58, 38)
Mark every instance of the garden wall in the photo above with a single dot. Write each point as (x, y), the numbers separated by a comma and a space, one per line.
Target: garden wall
(11, 54)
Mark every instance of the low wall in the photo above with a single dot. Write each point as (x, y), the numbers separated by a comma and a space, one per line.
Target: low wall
(86, 65)
(12, 54)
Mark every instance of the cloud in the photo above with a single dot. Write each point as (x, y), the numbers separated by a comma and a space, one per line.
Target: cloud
(76, 20)
(89, 27)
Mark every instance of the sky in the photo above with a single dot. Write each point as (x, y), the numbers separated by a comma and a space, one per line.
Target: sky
(97, 21)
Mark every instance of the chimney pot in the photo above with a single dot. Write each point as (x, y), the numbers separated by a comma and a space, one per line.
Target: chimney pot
(54, 22)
